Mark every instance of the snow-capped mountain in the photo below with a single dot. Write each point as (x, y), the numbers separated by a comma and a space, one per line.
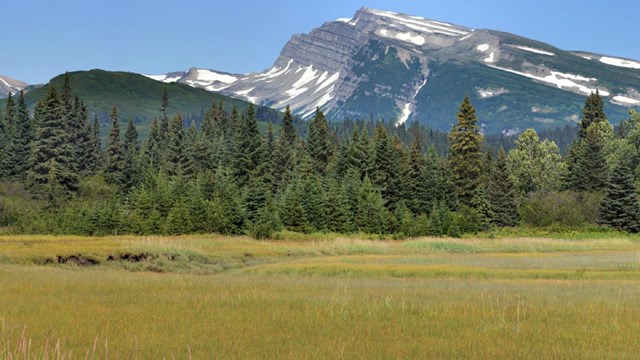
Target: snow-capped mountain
(9, 85)
(388, 65)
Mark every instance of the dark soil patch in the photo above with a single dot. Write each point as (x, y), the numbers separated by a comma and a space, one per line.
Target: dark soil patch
(79, 259)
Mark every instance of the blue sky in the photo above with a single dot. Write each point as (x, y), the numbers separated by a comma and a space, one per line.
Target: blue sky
(43, 38)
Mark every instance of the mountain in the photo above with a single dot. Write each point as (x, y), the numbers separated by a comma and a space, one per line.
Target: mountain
(383, 64)
(137, 96)
(9, 85)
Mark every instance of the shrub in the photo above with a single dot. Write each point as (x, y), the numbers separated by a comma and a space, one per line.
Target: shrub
(567, 208)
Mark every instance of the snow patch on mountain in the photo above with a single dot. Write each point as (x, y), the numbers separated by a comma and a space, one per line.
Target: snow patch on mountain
(416, 39)
(5, 83)
(620, 62)
(164, 78)
(483, 47)
(209, 75)
(561, 81)
(536, 51)
(491, 92)
(625, 101)
(421, 24)
(408, 108)
(490, 58)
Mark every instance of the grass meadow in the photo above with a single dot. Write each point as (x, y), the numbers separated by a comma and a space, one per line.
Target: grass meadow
(319, 296)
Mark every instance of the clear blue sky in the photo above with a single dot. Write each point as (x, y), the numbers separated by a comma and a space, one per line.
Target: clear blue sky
(43, 38)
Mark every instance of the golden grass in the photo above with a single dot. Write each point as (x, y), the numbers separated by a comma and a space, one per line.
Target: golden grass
(316, 298)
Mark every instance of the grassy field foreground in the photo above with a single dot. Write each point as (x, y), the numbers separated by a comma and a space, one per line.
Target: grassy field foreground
(219, 297)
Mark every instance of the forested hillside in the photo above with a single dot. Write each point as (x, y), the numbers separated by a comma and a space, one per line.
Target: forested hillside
(223, 175)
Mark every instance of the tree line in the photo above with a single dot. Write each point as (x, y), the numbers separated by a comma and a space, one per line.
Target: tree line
(226, 176)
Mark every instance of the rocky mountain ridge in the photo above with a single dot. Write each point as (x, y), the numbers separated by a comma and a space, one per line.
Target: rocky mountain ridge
(382, 64)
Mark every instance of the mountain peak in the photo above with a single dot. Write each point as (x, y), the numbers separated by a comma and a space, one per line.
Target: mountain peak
(393, 66)
(10, 85)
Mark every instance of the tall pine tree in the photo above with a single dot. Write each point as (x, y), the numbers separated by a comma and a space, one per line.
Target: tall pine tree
(52, 165)
(620, 208)
(465, 153)
(114, 170)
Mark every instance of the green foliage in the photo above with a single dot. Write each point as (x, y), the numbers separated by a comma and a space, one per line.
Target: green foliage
(567, 208)
(52, 170)
(319, 147)
(227, 177)
(620, 207)
(535, 165)
(465, 153)
(114, 170)
(592, 113)
(501, 194)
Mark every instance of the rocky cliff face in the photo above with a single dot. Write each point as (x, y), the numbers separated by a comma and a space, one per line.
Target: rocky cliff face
(9, 85)
(402, 68)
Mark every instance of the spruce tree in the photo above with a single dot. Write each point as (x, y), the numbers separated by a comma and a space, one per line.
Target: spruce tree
(10, 114)
(96, 158)
(289, 133)
(247, 147)
(620, 207)
(370, 213)
(115, 162)
(592, 113)
(338, 212)
(80, 131)
(130, 170)
(23, 136)
(590, 171)
(465, 149)
(319, 145)
(174, 154)
(152, 155)
(52, 164)
(292, 211)
(501, 194)
(164, 118)
(386, 168)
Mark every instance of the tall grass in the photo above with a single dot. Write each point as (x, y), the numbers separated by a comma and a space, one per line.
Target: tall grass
(426, 298)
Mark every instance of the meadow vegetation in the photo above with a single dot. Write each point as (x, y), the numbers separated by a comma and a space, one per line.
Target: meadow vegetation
(320, 296)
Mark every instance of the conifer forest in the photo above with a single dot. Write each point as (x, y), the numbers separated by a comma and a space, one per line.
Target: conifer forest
(231, 174)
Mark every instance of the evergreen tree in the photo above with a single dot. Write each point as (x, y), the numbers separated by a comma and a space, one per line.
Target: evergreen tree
(592, 113)
(10, 114)
(319, 145)
(151, 153)
(419, 180)
(370, 213)
(465, 153)
(386, 168)
(114, 170)
(247, 147)
(175, 153)
(501, 194)
(620, 208)
(339, 215)
(288, 131)
(51, 164)
(292, 211)
(23, 137)
(164, 118)
(95, 159)
(130, 170)
(313, 201)
(80, 129)
(210, 124)
(590, 171)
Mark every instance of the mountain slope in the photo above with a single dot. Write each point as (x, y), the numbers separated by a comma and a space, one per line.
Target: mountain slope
(138, 96)
(388, 65)
(9, 85)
